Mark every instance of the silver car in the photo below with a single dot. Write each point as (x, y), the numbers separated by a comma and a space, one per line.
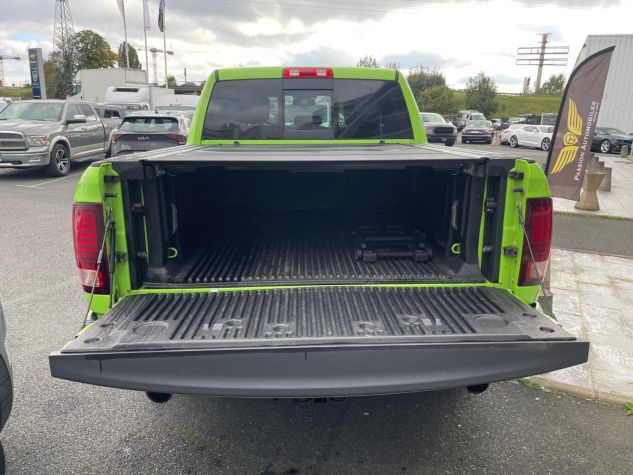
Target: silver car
(50, 134)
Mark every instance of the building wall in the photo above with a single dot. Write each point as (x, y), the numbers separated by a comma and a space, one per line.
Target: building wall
(617, 105)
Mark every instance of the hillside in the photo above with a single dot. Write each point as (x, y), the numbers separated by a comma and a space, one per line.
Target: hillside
(23, 92)
(510, 106)
(514, 105)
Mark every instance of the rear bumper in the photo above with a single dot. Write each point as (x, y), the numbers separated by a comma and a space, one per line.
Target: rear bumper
(318, 372)
(477, 137)
(441, 137)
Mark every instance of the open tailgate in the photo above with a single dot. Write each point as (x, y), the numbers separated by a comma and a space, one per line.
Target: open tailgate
(317, 341)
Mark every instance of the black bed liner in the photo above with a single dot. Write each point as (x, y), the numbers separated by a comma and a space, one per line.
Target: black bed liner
(286, 252)
(315, 316)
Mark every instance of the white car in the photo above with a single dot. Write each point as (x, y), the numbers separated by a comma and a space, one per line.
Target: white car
(537, 136)
(507, 133)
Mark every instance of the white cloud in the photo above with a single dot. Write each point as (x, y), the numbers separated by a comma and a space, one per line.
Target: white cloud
(462, 38)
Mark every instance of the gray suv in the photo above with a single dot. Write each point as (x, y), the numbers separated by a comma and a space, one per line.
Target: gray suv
(50, 134)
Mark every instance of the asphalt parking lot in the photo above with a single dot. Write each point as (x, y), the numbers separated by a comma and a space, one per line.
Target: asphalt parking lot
(63, 427)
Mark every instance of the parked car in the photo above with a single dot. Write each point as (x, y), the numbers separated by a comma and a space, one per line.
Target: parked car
(6, 375)
(537, 136)
(111, 114)
(268, 259)
(497, 124)
(143, 131)
(464, 117)
(478, 131)
(610, 140)
(507, 133)
(51, 134)
(437, 129)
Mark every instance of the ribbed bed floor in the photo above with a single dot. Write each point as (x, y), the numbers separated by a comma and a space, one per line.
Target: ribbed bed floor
(309, 252)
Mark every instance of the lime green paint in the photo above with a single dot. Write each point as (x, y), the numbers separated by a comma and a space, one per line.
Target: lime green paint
(232, 74)
(535, 185)
(91, 189)
(364, 73)
(419, 133)
(309, 142)
(198, 290)
(456, 248)
(195, 132)
(482, 226)
(277, 73)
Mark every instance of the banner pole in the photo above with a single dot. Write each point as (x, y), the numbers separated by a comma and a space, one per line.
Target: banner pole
(165, 43)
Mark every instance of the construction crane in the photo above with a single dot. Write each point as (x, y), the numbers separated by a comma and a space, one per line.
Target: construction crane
(154, 51)
(2, 58)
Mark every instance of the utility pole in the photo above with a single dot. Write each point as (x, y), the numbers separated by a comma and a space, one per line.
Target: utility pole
(542, 55)
(545, 38)
(3, 58)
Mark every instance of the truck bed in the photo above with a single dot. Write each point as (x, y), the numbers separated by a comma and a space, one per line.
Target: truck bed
(276, 252)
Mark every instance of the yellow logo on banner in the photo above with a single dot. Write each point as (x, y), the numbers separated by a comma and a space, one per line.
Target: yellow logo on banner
(574, 125)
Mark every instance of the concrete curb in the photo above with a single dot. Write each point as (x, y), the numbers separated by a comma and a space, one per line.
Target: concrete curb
(579, 391)
(589, 215)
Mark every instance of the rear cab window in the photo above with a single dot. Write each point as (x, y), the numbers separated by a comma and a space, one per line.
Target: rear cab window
(149, 124)
(300, 109)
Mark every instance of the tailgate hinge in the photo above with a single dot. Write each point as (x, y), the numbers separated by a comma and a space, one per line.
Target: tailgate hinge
(511, 251)
(516, 175)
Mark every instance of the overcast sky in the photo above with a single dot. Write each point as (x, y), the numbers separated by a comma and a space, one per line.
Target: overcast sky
(459, 37)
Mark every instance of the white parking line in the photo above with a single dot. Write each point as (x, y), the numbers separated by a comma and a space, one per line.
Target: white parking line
(39, 185)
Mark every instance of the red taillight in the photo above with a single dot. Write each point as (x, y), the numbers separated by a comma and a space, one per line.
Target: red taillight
(308, 73)
(538, 226)
(116, 137)
(88, 233)
(181, 139)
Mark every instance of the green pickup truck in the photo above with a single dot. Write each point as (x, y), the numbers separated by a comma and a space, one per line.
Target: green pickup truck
(308, 242)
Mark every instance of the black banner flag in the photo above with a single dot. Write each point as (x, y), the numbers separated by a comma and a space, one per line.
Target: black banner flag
(576, 124)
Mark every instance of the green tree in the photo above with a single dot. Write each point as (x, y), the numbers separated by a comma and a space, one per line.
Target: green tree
(555, 85)
(422, 77)
(440, 99)
(122, 58)
(91, 51)
(367, 61)
(481, 94)
(171, 81)
(52, 73)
